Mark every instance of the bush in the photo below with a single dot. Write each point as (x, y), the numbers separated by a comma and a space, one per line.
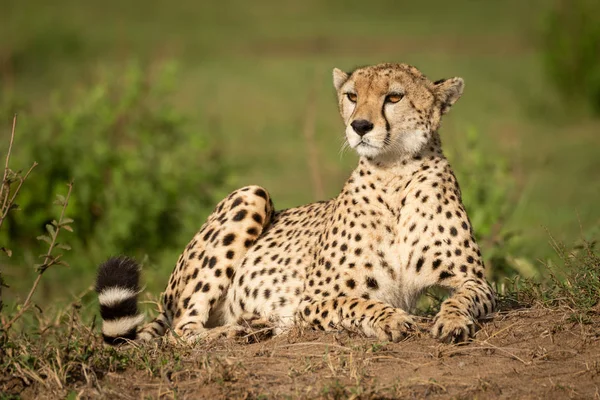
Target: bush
(571, 50)
(489, 194)
(143, 182)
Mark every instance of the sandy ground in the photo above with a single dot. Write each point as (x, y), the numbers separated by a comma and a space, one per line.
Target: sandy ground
(521, 354)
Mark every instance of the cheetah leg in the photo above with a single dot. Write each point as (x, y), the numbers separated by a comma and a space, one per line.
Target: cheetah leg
(455, 321)
(210, 259)
(249, 328)
(371, 317)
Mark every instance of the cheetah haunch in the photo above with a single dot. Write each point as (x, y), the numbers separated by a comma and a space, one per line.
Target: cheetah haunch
(358, 261)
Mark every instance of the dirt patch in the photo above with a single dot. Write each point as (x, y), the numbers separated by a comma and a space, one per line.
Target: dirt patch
(529, 353)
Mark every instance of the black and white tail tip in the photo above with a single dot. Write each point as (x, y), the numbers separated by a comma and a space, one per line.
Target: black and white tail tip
(118, 286)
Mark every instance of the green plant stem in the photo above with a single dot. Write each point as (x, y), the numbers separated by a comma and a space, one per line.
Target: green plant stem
(6, 201)
(47, 262)
(4, 180)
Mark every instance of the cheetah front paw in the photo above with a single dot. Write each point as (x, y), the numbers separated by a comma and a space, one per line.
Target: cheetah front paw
(252, 328)
(395, 326)
(451, 327)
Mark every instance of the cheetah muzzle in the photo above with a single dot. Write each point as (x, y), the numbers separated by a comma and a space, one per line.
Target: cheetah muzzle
(358, 261)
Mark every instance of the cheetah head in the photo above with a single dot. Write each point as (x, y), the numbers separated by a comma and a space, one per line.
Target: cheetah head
(391, 110)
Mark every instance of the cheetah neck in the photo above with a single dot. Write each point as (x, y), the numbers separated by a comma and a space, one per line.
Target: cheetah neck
(390, 179)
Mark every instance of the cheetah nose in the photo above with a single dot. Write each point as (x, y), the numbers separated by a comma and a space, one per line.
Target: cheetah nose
(361, 126)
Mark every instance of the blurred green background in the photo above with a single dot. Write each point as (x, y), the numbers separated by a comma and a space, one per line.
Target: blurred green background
(158, 109)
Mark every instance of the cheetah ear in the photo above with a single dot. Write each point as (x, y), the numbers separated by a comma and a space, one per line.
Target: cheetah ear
(448, 91)
(339, 78)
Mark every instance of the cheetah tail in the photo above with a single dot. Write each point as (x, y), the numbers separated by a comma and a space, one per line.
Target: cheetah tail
(117, 286)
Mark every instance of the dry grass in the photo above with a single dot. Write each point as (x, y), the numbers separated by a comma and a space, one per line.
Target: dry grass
(537, 352)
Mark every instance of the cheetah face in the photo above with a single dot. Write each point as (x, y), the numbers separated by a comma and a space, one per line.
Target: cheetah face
(391, 110)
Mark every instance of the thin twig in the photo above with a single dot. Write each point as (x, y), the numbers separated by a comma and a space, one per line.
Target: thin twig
(14, 196)
(47, 262)
(12, 138)
(4, 178)
(7, 201)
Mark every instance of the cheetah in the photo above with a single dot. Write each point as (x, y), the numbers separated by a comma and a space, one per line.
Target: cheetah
(357, 262)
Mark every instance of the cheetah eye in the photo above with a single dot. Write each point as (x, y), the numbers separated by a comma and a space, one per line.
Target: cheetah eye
(352, 97)
(393, 97)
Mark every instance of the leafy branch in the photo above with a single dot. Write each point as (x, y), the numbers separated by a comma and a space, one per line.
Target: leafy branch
(7, 202)
(50, 259)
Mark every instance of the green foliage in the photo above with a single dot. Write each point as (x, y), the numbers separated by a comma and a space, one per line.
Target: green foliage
(574, 282)
(571, 50)
(143, 182)
(489, 194)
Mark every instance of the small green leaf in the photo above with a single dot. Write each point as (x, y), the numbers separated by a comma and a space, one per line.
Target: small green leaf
(67, 228)
(63, 246)
(66, 221)
(51, 230)
(44, 238)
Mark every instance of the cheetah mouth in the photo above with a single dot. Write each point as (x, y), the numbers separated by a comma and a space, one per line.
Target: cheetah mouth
(365, 144)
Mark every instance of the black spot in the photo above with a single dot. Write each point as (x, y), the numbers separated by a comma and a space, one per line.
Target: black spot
(206, 288)
(228, 239)
(261, 193)
(218, 272)
(240, 215)
(267, 293)
(186, 302)
(372, 283)
(207, 235)
(230, 254)
(257, 218)
(436, 264)
(307, 311)
(237, 202)
(350, 283)
(470, 259)
(420, 263)
(229, 272)
(445, 275)
(453, 231)
(212, 262)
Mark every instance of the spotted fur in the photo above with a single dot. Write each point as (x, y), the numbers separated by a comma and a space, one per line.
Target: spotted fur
(358, 261)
